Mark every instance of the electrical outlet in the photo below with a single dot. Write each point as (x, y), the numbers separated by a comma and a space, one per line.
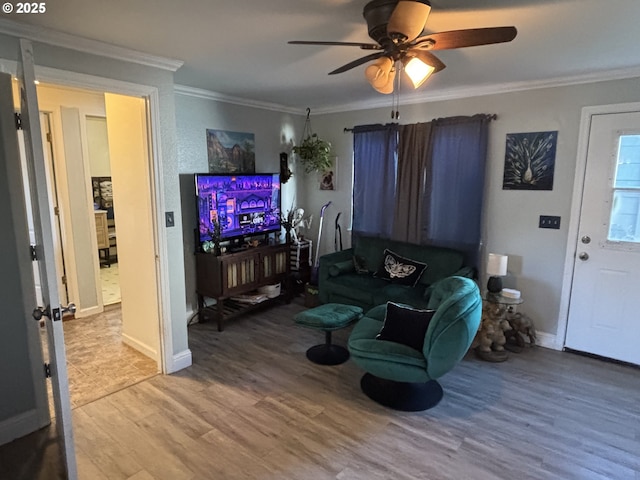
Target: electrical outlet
(549, 221)
(169, 220)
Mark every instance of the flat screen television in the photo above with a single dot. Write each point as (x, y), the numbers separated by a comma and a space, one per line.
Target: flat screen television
(243, 204)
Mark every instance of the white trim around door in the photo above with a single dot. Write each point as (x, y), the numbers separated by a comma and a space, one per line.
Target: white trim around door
(576, 204)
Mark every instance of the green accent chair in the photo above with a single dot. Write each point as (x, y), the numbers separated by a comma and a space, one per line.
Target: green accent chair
(403, 378)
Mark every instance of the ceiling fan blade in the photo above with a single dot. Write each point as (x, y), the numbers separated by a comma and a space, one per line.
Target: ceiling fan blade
(428, 58)
(355, 63)
(364, 46)
(466, 38)
(408, 20)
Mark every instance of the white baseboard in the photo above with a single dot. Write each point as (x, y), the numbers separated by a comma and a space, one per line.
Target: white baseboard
(547, 340)
(180, 360)
(19, 426)
(192, 317)
(141, 347)
(87, 312)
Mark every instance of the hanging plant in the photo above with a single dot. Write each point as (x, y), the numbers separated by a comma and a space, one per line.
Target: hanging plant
(313, 152)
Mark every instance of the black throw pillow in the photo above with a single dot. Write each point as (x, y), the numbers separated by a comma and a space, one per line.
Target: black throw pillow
(399, 269)
(405, 325)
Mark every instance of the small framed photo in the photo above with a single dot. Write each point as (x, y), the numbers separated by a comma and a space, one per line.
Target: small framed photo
(328, 177)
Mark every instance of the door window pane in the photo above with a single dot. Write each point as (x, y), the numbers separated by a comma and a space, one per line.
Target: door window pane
(628, 169)
(624, 218)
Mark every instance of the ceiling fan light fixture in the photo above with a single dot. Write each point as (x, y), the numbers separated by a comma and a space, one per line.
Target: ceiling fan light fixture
(408, 20)
(380, 75)
(418, 71)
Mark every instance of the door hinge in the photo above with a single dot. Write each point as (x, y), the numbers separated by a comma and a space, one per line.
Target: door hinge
(18, 118)
(47, 370)
(56, 211)
(64, 279)
(49, 137)
(34, 253)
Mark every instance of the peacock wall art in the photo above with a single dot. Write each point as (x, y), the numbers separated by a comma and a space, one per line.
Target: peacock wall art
(530, 161)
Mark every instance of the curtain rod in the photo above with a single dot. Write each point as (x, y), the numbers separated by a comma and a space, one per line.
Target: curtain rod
(493, 116)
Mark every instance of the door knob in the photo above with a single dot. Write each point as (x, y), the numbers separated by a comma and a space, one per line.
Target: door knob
(586, 239)
(40, 312)
(71, 308)
(583, 256)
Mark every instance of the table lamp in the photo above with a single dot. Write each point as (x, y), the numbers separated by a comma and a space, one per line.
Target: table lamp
(496, 268)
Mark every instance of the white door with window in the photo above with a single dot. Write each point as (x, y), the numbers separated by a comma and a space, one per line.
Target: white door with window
(604, 310)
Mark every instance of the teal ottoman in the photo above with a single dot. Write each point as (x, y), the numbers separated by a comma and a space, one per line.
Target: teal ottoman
(328, 317)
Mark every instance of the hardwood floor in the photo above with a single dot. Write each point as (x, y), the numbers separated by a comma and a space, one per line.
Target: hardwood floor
(253, 407)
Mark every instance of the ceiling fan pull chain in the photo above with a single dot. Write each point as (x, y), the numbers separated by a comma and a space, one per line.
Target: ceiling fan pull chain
(393, 98)
(395, 113)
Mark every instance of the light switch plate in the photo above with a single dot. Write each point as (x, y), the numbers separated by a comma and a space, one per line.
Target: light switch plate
(169, 220)
(549, 221)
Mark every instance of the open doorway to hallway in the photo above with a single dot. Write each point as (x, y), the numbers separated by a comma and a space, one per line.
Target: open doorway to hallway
(109, 345)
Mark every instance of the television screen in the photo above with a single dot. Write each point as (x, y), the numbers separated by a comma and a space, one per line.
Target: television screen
(243, 204)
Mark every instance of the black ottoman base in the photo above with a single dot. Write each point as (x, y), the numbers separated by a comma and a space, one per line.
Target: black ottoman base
(328, 354)
(403, 396)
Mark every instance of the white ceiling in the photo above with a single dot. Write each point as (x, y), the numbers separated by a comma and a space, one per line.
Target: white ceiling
(239, 48)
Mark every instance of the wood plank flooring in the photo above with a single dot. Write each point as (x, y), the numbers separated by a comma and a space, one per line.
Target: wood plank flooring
(253, 407)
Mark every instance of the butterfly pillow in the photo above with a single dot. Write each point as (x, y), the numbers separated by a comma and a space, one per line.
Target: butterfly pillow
(399, 269)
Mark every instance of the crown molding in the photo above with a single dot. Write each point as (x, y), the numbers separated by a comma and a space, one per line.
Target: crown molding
(74, 80)
(482, 90)
(245, 102)
(86, 45)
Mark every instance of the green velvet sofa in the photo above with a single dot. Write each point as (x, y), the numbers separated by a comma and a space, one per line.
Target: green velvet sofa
(339, 282)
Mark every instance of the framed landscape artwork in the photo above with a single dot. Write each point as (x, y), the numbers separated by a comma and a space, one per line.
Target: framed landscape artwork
(231, 152)
(529, 161)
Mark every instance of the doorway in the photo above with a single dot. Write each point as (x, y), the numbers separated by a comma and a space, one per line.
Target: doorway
(603, 305)
(109, 344)
(103, 203)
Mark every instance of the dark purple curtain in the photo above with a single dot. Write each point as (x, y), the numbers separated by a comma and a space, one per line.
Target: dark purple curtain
(374, 179)
(453, 209)
(422, 183)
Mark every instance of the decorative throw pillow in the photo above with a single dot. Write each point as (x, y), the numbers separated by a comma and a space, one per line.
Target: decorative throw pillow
(360, 264)
(340, 268)
(399, 269)
(406, 325)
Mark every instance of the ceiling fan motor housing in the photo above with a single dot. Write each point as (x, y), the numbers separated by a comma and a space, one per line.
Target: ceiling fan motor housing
(377, 14)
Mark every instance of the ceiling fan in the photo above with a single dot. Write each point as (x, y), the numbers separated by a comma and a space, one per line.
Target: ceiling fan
(396, 26)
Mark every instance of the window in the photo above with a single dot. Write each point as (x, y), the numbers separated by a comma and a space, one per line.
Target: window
(624, 218)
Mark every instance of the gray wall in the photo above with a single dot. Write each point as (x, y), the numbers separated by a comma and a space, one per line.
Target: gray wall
(274, 133)
(536, 256)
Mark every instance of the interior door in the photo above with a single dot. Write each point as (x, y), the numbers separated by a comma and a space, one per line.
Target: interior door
(43, 229)
(604, 305)
(53, 200)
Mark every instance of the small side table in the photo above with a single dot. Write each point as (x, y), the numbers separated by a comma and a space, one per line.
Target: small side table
(491, 337)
